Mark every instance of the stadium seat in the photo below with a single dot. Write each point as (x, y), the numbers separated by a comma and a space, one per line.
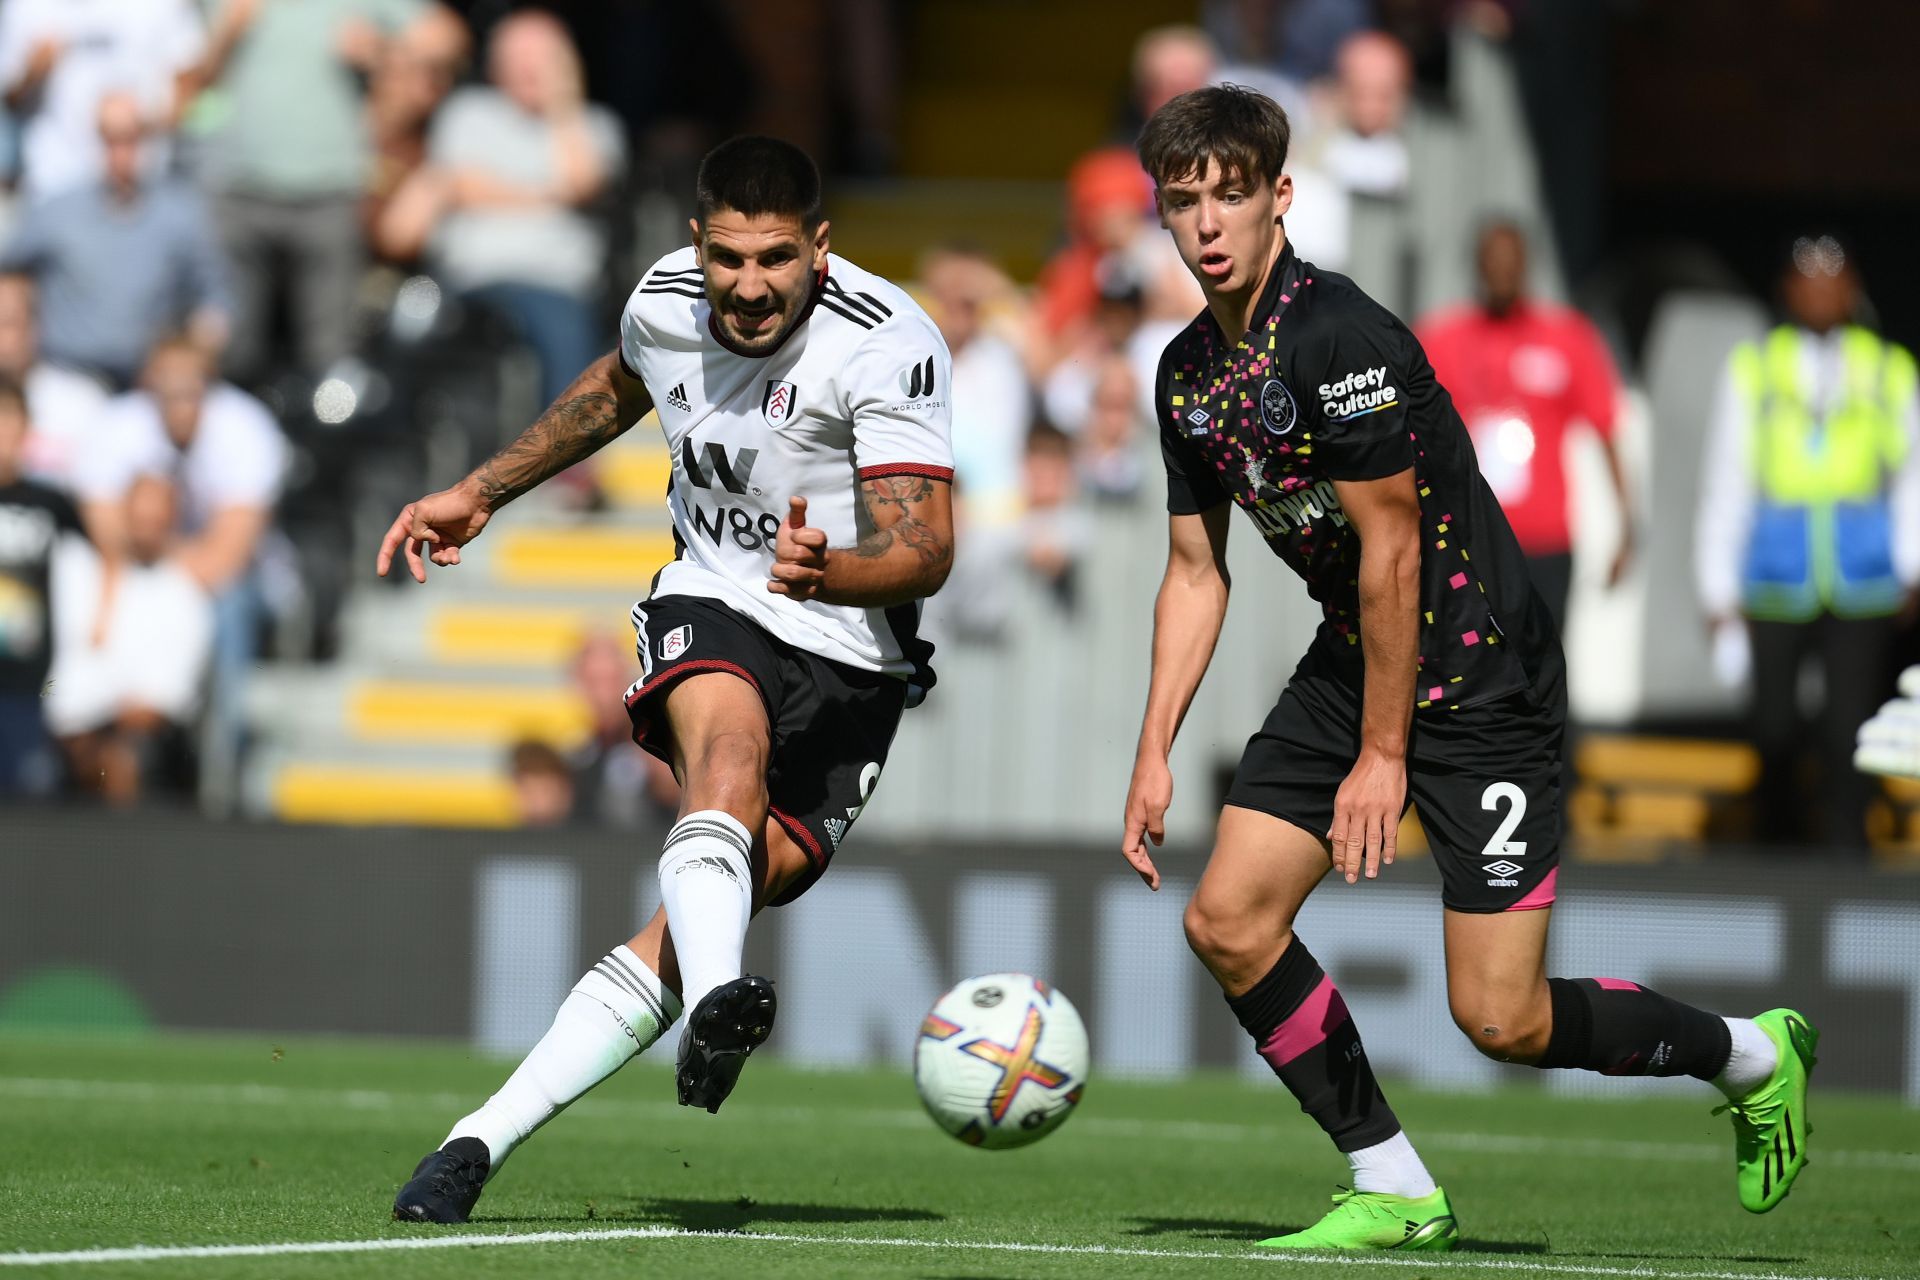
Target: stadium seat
(358, 796)
(385, 711)
(587, 556)
(1636, 792)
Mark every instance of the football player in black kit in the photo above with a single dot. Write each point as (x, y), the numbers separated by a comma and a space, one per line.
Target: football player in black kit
(1435, 679)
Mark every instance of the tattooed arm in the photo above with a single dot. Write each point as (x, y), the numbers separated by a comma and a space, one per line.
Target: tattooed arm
(602, 402)
(904, 556)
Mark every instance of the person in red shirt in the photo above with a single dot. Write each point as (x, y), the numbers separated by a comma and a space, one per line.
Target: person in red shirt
(1521, 372)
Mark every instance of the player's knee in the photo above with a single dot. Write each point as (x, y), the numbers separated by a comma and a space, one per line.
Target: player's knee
(1223, 937)
(1505, 1034)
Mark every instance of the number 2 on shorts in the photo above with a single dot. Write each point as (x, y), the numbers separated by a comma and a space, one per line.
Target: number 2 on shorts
(1516, 810)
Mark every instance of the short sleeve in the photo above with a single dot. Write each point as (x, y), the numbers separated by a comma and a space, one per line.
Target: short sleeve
(898, 387)
(16, 40)
(252, 453)
(131, 442)
(186, 37)
(1357, 372)
(1191, 488)
(635, 337)
(1596, 386)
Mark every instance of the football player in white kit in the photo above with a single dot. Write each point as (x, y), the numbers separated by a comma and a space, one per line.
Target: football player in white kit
(805, 405)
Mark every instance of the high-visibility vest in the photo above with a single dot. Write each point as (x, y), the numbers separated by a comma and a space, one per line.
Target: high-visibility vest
(1822, 534)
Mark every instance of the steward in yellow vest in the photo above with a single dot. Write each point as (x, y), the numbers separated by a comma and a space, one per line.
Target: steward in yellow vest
(1821, 537)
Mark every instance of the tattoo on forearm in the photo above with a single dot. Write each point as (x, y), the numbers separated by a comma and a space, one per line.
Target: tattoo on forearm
(905, 494)
(569, 431)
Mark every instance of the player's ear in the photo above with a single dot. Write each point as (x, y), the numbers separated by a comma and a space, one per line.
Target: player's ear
(1160, 209)
(1282, 195)
(693, 225)
(821, 241)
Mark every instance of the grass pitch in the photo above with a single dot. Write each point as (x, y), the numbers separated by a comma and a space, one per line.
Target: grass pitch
(152, 1146)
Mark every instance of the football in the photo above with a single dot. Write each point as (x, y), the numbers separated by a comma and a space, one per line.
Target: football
(1001, 1060)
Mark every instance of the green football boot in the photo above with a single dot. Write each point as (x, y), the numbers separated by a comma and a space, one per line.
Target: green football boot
(1770, 1126)
(1375, 1220)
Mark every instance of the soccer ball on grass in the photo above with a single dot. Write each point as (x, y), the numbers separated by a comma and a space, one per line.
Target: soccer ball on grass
(1001, 1060)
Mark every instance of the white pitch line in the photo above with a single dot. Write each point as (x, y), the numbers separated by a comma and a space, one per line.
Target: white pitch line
(900, 1118)
(1427, 1262)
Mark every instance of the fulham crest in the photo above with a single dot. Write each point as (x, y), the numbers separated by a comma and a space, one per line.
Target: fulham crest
(779, 402)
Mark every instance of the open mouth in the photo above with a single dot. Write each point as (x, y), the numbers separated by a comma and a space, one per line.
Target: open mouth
(753, 322)
(1216, 265)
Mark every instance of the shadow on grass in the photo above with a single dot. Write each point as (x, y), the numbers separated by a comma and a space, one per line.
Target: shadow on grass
(1236, 1231)
(1208, 1228)
(727, 1215)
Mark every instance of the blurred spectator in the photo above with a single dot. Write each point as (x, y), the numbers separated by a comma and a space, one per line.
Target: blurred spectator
(1296, 39)
(1392, 191)
(992, 410)
(542, 784)
(1055, 531)
(1167, 62)
(502, 206)
(64, 407)
(291, 164)
(60, 58)
(129, 665)
(615, 783)
(1521, 372)
(121, 261)
(411, 78)
(1109, 212)
(1367, 152)
(32, 519)
(227, 457)
(1108, 443)
(1809, 530)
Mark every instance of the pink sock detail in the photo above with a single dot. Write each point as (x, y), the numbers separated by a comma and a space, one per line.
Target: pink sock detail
(1306, 1026)
(1617, 984)
(1541, 895)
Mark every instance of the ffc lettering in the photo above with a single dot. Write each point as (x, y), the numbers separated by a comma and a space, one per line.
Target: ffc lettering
(733, 472)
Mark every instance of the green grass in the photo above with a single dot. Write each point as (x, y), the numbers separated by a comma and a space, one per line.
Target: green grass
(215, 1141)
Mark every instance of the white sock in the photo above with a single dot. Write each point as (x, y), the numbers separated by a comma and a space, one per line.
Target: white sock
(1752, 1062)
(612, 1015)
(1392, 1167)
(706, 885)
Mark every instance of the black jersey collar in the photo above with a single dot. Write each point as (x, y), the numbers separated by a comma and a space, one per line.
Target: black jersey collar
(1282, 279)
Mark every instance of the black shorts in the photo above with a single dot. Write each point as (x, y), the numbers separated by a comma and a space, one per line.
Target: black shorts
(1485, 780)
(832, 724)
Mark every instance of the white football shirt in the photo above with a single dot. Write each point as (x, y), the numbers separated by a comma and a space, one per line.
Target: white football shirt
(859, 390)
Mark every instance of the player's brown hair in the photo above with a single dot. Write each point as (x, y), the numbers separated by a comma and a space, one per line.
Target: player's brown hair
(1245, 131)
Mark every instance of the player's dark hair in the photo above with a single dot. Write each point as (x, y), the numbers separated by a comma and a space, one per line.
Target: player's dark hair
(753, 175)
(1245, 131)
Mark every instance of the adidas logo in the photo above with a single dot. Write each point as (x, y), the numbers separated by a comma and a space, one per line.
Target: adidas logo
(836, 828)
(678, 398)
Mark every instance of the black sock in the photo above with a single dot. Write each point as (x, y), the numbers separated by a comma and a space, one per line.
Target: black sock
(1301, 1026)
(1620, 1028)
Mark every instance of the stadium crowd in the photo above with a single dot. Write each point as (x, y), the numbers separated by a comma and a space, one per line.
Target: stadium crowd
(247, 240)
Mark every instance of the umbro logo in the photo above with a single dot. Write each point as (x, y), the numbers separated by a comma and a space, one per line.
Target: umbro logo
(1502, 868)
(1198, 421)
(677, 398)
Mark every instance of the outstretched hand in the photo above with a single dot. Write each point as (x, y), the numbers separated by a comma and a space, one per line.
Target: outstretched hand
(444, 521)
(799, 555)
